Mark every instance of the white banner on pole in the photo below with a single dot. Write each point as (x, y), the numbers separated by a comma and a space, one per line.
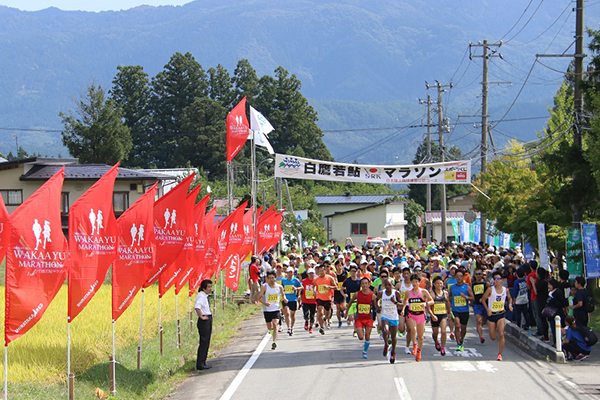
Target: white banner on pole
(451, 172)
(543, 246)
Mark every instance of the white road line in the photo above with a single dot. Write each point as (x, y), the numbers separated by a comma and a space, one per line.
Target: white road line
(402, 389)
(245, 369)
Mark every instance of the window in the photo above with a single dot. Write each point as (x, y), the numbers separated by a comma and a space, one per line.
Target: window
(12, 197)
(358, 228)
(120, 201)
(64, 202)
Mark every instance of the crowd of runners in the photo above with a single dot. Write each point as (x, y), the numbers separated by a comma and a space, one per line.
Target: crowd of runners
(398, 290)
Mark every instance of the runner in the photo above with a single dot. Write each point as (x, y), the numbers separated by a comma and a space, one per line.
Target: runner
(364, 322)
(460, 295)
(270, 296)
(338, 296)
(291, 285)
(402, 287)
(479, 287)
(451, 280)
(441, 308)
(494, 300)
(350, 286)
(325, 285)
(418, 300)
(389, 300)
(309, 302)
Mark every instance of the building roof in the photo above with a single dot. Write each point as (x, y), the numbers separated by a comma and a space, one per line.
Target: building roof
(353, 199)
(41, 161)
(84, 172)
(335, 214)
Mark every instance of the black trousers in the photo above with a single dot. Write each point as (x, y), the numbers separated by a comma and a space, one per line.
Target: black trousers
(205, 330)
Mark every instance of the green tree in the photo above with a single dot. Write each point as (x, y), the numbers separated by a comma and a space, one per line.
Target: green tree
(245, 82)
(220, 86)
(96, 133)
(131, 92)
(412, 209)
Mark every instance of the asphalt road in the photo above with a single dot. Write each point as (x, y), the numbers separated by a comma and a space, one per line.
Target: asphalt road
(331, 366)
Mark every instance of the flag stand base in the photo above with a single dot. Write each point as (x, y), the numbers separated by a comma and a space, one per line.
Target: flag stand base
(71, 386)
(139, 358)
(178, 335)
(112, 362)
(160, 335)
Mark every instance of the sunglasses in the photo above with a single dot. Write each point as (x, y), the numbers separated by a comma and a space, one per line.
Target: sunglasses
(478, 273)
(497, 279)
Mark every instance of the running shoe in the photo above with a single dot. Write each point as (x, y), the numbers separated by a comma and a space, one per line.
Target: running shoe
(581, 357)
(462, 347)
(392, 358)
(342, 314)
(310, 330)
(418, 357)
(385, 350)
(280, 329)
(443, 351)
(306, 325)
(273, 346)
(400, 335)
(437, 346)
(458, 347)
(365, 354)
(321, 331)
(328, 325)
(340, 324)
(499, 357)
(407, 350)
(452, 336)
(482, 339)
(354, 334)
(291, 332)
(414, 350)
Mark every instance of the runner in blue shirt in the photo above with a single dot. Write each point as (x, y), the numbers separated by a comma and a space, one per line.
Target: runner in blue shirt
(460, 295)
(290, 284)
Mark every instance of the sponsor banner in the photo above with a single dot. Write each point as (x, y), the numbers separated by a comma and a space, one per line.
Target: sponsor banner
(543, 246)
(574, 253)
(451, 172)
(197, 275)
(237, 129)
(592, 251)
(455, 229)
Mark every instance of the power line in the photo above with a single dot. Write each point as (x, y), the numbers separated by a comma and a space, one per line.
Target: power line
(526, 23)
(558, 32)
(518, 20)
(551, 25)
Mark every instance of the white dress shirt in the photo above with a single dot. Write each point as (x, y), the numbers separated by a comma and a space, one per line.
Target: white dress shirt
(202, 303)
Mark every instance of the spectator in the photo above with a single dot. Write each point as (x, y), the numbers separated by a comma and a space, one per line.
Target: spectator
(202, 308)
(573, 344)
(580, 302)
(521, 300)
(541, 299)
(556, 300)
(254, 279)
(564, 282)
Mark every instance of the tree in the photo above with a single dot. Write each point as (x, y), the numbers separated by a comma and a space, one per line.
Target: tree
(245, 82)
(131, 92)
(97, 133)
(220, 86)
(412, 209)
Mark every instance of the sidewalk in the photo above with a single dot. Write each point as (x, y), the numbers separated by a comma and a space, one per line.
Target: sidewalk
(211, 384)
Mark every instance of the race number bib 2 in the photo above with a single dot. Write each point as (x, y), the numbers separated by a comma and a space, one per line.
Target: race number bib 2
(323, 289)
(478, 289)
(310, 294)
(340, 285)
(460, 301)
(364, 308)
(289, 289)
(389, 309)
(416, 307)
(439, 308)
(497, 306)
(272, 298)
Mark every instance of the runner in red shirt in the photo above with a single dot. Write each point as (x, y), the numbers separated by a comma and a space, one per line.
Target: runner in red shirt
(363, 323)
(309, 300)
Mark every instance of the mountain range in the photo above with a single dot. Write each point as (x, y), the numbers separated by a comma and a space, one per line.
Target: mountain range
(363, 65)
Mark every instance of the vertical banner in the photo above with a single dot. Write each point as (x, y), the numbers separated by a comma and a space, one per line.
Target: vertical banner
(476, 226)
(38, 258)
(574, 253)
(197, 274)
(528, 251)
(455, 229)
(464, 231)
(92, 241)
(210, 255)
(592, 251)
(232, 263)
(187, 259)
(237, 129)
(4, 229)
(543, 246)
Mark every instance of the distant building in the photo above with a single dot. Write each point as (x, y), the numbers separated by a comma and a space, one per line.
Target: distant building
(19, 179)
(175, 175)
(457, 206)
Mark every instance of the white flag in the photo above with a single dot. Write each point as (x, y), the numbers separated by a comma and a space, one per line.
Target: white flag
(260, 127)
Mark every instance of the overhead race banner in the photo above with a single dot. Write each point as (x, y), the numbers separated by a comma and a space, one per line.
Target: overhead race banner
(305, 168)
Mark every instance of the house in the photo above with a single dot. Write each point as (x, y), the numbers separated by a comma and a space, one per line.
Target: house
(19, 179)
(458, 205)
(361, 216)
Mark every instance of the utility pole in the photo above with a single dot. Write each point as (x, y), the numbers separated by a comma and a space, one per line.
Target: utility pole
(441, 129)
(428, 204)
(578, 98)
(484, 113)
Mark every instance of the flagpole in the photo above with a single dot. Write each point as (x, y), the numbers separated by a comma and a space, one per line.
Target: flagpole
(5, 372)
(160, 328)
(113, 390)
(70, 380)
(178, 327)
(139, 357)
(254, 214)
(190, 312)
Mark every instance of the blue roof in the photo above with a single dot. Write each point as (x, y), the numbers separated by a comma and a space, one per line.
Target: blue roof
(353, 199)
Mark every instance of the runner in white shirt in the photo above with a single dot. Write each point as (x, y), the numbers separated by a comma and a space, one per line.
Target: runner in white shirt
(389, 300)
(402, 287)
(271, 294)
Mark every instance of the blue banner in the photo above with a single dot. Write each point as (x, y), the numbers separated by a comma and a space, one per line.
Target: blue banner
(592, 251)
(464, 231)
(528, 251)
(477, 231)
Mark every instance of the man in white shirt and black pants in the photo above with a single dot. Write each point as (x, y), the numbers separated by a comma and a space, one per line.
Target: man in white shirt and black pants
(202, 307)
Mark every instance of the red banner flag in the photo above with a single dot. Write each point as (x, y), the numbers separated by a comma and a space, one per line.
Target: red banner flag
(170, 227)
(277, 232)
(210, 256)
(265, 234)
(38, 258)
(248, 243)
(4, 229)
(92, 241)
(180, 269)
(232, 263)
(224, 234)
(200, 245)
(136, 252)
(237, 129)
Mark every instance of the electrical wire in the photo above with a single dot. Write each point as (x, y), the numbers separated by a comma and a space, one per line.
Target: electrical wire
(460, 64)
(551, 25)
(558, 32)
(518, 20)
(526, 23)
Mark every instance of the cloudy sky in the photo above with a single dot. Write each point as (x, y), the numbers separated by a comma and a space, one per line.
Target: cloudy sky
(94, 5)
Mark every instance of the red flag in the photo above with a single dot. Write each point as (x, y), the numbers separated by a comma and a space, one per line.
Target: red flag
(4, 229)
(136, 254)
(38, 258)
(232, 262)
(210, 256)
(179, 270)
(170, 227)
(265, 234)
(226, 227)
(248, 243)
(200, 245)
(237, 129)
(277, 232)
(92, 241)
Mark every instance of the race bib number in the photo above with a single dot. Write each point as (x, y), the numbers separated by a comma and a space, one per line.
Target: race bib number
(478, 289)
(439, 308)
(497, 306)
(416, 307)
(289, 289)
(402, 295)
(272, 298)
(460, 301)
(323, 289)
(340, 285)
(364, 308)
(310, 294)
(390, 309)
